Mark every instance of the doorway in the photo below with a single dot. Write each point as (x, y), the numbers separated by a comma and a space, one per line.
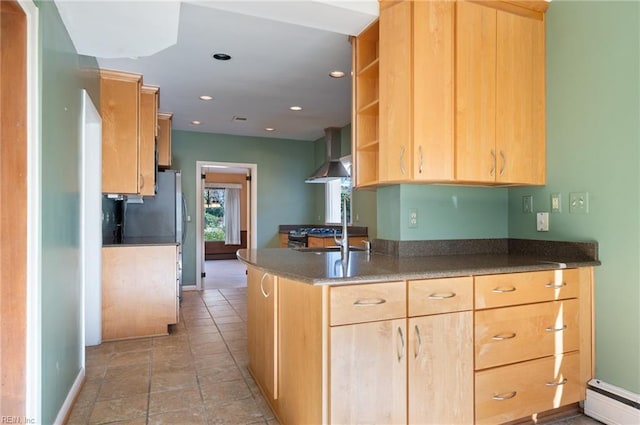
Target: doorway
(227, 218)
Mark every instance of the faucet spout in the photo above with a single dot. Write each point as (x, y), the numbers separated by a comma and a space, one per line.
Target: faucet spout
(343, 242)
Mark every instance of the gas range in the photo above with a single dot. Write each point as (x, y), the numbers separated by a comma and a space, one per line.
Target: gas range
(299, 237)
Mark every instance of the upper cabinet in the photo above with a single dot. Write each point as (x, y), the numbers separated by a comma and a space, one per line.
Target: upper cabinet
(148, 131)
(120, 111)
(459, 95)
(164, 139)
(500, 101)
(365, 107)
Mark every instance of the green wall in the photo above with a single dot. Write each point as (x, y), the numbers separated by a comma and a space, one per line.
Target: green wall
(63, 75)
(444, 212)
(283, 196)
(593, 138)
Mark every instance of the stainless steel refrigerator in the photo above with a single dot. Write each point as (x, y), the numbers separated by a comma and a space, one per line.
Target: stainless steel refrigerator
(158, 219)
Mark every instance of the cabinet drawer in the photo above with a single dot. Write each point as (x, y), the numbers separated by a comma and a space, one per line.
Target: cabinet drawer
(522, 288)
(512, 334)
(366, 303)
(512, 392)
(434, 296)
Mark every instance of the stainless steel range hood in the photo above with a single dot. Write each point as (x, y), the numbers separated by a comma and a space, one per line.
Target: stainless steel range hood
(332, 168)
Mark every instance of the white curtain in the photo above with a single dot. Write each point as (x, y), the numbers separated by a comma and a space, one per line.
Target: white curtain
(232, 216)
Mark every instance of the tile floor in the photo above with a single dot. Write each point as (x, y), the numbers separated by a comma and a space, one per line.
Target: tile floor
(196, 375)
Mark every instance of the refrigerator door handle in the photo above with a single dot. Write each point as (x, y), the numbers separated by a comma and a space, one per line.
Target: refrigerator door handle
(184, 219)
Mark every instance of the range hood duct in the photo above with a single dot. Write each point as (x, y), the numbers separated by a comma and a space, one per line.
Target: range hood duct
(332, 168)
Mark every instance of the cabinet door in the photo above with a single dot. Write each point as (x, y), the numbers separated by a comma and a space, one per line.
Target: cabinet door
(520, 101)
(433, 46)
(120, 111)
(441, 369)
(396, 89)
(147, 149)
(475, 92)
(262, 316)
(368, 373)
(164, 139)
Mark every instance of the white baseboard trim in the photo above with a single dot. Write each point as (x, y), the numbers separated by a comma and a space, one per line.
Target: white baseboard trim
(612, 405)
(65, 410)
(189, 288)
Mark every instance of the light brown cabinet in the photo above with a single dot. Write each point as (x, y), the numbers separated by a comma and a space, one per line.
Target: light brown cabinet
(120, 111)
(139, 290)
(314, 242)
(365, 107)
(416, 91)
(262, 335)
(149, 97)
(481, 121)
(500, 100)
(129, 128)
(533, 342)
(165, 122)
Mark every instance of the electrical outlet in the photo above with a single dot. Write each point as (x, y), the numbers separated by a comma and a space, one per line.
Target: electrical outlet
(579, 202)
(527, 204)
(542, 222)
(556, 203)
(413, 218)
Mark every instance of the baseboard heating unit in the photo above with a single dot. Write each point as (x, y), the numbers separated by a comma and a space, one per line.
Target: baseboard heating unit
(612, 405)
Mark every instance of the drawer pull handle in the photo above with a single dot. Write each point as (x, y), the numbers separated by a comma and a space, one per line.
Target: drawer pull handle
(556, 384)
(418, 348)
(504, 396)
(552, 329)
(264, 293)
(552, 285)
(503, 337)
(501, 290)
(369, 301)
(401, 352)
(442, 296)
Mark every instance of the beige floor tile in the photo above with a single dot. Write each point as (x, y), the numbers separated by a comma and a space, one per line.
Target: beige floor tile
(209, 348)
(170, 381)
(170, 401)
(225, 392)
(138, 344)
(214, 374)
(95, 373)
(229, 319)
(227, 327)
(244, 411)
(192, 416)
(209, 360)
(134, 371)
(121, 409)
(240, 336)
(88, 394)
(80, 414)
(197, 338)
(128, 358)
(123, 387)
(182, 365)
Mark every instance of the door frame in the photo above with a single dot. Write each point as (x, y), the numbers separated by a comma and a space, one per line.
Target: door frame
(252, 205)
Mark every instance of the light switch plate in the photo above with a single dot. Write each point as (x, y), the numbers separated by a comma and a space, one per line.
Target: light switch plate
(556, 203)
(527, 204)
(579, 202)
(542, 222)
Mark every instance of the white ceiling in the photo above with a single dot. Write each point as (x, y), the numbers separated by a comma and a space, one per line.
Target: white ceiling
(275, 63)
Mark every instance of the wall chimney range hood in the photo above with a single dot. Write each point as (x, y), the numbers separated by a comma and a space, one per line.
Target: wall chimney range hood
(332, 168)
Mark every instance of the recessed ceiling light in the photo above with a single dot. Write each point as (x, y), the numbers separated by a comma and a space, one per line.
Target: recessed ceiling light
(206, 97)
(221, 56)
(269, 129)
(295, 108)
(195, 122)
(336, 74)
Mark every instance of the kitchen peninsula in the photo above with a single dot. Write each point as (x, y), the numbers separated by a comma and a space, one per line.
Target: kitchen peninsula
(476, 331)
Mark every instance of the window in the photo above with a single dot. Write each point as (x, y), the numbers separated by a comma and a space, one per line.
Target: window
(214, 226)
(335, 192)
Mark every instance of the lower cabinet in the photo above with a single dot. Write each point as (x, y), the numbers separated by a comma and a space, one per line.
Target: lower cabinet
(139, 290)
(415, 352)
(262, 342)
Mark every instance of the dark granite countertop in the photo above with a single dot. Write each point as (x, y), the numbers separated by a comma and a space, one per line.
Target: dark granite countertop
(322, 268)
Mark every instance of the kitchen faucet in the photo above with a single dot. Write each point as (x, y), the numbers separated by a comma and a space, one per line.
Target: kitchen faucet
(343, 243)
